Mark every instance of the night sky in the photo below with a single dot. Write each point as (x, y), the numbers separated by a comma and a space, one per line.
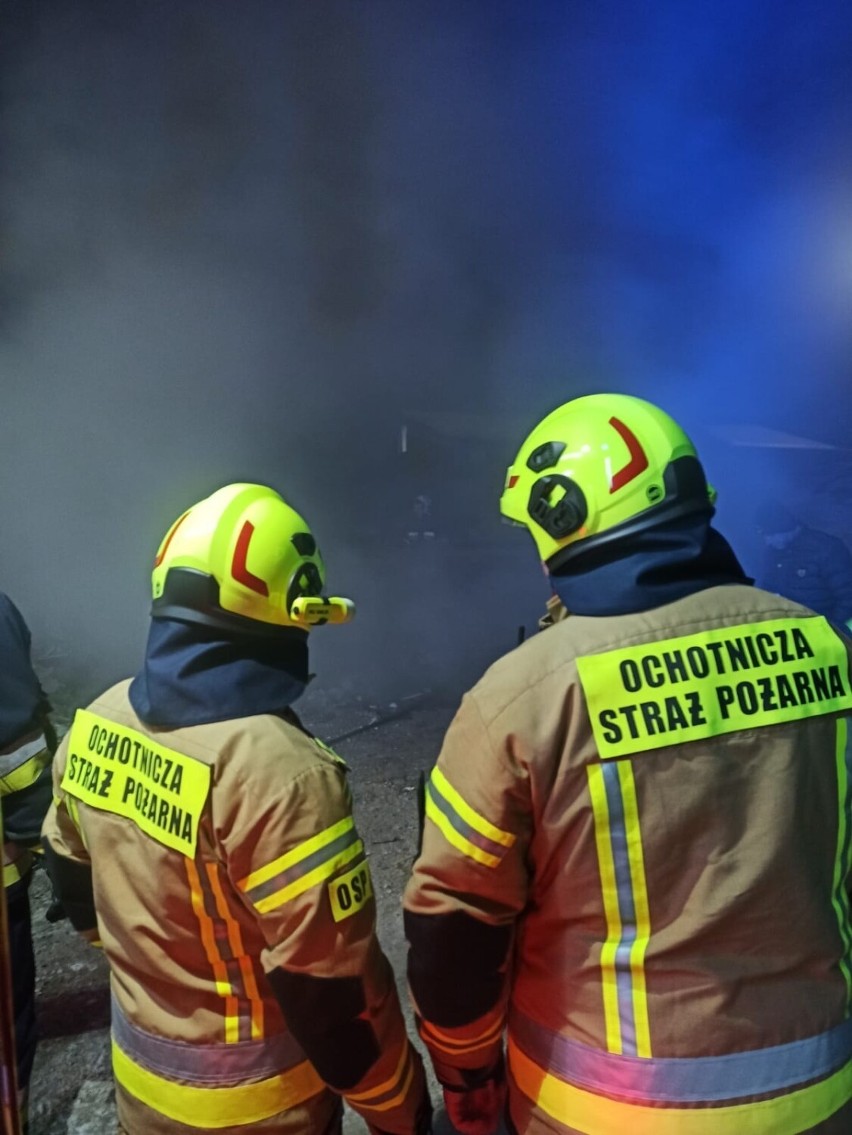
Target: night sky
(253, 239)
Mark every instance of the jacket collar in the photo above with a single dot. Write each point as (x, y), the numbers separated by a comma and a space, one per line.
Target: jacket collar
(662, 564)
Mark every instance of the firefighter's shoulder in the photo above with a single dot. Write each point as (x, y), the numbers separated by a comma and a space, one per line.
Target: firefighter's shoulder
(536, 667)
(271, 745)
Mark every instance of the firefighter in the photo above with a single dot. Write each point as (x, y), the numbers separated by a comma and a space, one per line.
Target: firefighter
(27, 741)
(205, 838)
(635, 863)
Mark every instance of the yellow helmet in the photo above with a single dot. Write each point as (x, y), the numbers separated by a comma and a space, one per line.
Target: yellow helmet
(599, 469)
(244, 561)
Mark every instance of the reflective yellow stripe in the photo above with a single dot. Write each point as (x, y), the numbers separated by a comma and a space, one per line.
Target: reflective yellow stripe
(396, 1100)
(640, 902)
(476, 821)
(14, 872)
(462, 826)
(592, 1114)
(26, 774)
(208, 939)
(435, 1038)
(305, 882)
(235, 939)
(212, 1108)
(456, 838)
(609, 891)
(386, 1105)
(17, 755)
(840, 894)
(296, 855)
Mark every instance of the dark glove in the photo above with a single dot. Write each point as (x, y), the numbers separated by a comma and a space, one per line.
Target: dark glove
(478, 1111)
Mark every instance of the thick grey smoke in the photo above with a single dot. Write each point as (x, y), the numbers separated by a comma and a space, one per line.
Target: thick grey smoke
(248, 239)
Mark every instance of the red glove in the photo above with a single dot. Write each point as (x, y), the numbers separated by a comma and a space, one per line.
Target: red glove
(477, 1111)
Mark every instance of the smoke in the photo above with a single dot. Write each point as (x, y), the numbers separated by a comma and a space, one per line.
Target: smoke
(253, 240)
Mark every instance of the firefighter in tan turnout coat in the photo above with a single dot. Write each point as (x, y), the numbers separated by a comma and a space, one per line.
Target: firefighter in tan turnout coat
(206, 840)
(635, 867)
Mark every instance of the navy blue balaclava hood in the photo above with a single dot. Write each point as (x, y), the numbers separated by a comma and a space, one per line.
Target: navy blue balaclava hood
(666, 562)
(193, 675)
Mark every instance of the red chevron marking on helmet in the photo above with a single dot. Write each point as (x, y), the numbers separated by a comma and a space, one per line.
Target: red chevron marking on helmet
(638, 462)
(159, 559)
(239, 569)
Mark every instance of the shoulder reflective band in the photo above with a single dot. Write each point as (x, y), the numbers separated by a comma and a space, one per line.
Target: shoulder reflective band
(720, 681)
(462, 825)
(303, 867)
(120, 770)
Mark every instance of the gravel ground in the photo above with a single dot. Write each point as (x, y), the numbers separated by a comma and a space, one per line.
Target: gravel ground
(71, 1084)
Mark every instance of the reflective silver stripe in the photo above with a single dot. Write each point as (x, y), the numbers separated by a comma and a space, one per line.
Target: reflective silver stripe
(205, 1063)
(10, 761)
(700, 1079)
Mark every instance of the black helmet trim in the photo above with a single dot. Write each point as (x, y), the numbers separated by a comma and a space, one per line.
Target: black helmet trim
(686, 494)
(192, 596)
